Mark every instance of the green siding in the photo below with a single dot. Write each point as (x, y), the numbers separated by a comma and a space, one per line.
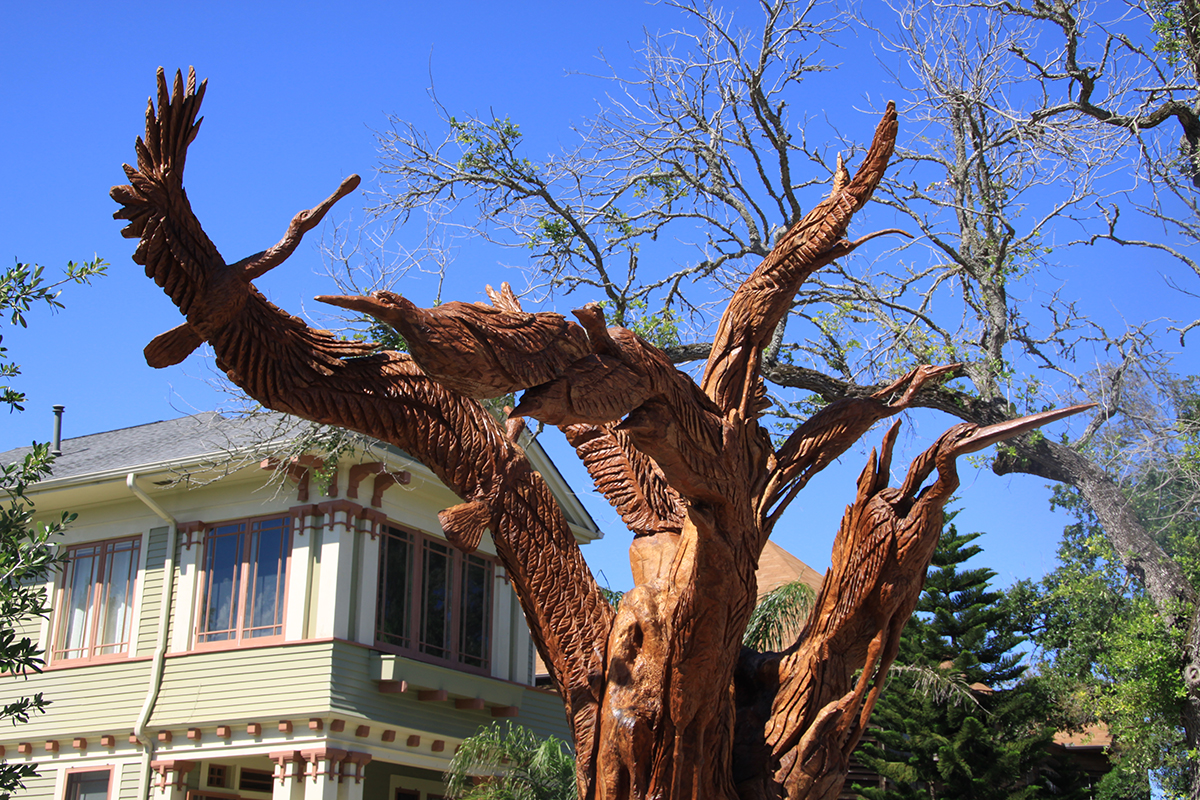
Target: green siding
(156, 556)
(206, 688)
(128, 784)
(94, 698)
(39, 787)
(355, 691)
(544, 714)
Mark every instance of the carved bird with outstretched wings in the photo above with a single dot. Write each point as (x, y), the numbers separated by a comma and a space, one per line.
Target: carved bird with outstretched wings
(218, 299)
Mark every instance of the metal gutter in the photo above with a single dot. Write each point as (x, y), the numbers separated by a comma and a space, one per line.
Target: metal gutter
(160, 644)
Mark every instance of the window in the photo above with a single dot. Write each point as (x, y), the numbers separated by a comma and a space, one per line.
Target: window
(256, 780)
(434, 602)
(96, 603)
(244, 579)
(217, 776)
(88, 785)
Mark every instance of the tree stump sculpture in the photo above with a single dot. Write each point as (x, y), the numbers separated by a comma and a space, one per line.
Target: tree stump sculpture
(661, 697)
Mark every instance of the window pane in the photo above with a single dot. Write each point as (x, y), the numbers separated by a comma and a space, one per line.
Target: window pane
(435, 601)
(77, 607)
(474, 636)
(120, 571)
(395, 582)
(87, 785)
(222, 567)
(263, 614)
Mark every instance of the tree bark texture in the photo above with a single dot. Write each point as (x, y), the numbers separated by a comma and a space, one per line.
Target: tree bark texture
(661, 697)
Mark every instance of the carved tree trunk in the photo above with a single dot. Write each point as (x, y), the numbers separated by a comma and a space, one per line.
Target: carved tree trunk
(662, 699)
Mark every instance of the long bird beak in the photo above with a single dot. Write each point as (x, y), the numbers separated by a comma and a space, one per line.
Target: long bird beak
(371, 306)
(980, 438)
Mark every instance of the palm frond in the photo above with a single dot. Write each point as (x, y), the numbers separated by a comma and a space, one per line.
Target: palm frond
(778, 616)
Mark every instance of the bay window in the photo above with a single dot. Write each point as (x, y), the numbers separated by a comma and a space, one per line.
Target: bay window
(95, 609)
(244, 567)
(434, 602)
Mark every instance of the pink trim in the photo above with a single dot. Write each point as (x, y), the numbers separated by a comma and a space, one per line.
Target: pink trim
(375, 520)
(285, 726)
(51, 745)
(79, 743)
(224, 732)
(164, 736)
(330, 507)
(383, 479)
(194, 734)
(25, 748)
(360, 761)
(97, 604)
(473, 703)
(238, 633)
(316, 724)
(419, 543)
(254, 729)
(386, 481)
(360, 471)
(72, 770)
(296, 468)
(179, 766)
(192, 532)
(304, 516)
(76, 663)
(284, 757)
(332, 757)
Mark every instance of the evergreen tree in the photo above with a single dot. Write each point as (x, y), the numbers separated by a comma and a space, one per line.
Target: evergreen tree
(956, 721)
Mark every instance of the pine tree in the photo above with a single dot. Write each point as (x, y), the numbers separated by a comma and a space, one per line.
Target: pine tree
(957, 721)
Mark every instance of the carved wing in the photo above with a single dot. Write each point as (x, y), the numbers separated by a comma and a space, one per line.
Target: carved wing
(630, 481)
(282, 363)
(174, 248)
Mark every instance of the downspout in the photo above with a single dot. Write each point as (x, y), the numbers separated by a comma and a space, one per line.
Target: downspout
(160, 644)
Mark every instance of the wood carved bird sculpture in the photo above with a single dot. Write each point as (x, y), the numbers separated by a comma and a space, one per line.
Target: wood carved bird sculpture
(287, 366)
(217, 298)
(477, 350)
(883, 548)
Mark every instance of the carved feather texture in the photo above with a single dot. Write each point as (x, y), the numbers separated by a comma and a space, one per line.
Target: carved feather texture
(760, 303)
(477, 350)
(281, 362)
(630, 481)
(173, 247)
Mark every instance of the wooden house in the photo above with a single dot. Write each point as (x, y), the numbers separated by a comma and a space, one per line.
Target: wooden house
(310, 639)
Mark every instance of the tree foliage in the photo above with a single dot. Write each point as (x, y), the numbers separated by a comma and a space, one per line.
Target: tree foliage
(1106, 654)
(27, 553)
(985, 732)
(510, 762)
(779, 615)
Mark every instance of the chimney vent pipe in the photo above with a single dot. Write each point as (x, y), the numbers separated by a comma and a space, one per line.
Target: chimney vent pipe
(56, 447)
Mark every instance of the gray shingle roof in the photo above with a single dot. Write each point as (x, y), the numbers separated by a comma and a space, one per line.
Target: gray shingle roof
(155, 442)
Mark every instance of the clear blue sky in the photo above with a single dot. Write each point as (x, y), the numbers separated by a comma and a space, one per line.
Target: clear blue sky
(295, 90)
